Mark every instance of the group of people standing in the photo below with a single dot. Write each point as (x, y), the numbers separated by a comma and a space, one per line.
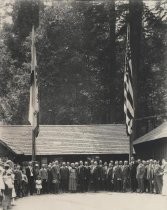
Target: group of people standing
(117, 176)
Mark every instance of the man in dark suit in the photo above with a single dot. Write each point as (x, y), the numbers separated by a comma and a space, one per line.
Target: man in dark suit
(133, 181)
(146, 182)
(87, 176)
(91, 168)
(121, 166)
(101, 175)
(110, 185)
(104, 176)
(96, 176)
(82, 177)
(64, 177)
(49, 181)
(55, 171)
(117, 174)
(125, 175)
(30, 177)
(18, 181)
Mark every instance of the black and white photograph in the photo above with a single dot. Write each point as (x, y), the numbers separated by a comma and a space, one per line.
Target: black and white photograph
(83, 104)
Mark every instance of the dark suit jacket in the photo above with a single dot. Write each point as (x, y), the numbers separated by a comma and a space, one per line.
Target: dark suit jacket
(133, 168)
(82, 173)
(125, 172)
(110, 173)
(55, 173)
(64, 173)
(87, 172)
(117, 172)
(28, 173)
(96, 174)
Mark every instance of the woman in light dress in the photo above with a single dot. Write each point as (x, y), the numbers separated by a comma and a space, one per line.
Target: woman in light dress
(164, 167)
(72, 178)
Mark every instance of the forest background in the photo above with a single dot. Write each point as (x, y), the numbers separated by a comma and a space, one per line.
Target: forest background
(81, 53)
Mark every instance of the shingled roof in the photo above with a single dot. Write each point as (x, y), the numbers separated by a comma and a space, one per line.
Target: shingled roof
(158, 133)
(67, 139)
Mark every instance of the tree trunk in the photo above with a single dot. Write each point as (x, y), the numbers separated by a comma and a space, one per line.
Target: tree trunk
(111, 75)
(135, 19)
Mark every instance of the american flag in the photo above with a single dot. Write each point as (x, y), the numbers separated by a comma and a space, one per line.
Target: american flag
(128, 88)
(34, 101)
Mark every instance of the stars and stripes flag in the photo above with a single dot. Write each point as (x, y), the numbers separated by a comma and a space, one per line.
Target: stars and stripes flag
(128, 87)
(34, 101)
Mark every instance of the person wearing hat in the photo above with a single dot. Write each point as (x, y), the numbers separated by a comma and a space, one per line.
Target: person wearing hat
(11, 164)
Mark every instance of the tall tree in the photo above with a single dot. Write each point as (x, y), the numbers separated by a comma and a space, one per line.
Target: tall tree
(25, 14)
(135, 20)
(112, 68)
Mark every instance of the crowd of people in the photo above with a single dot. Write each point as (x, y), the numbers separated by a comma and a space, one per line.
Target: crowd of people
(116, 176)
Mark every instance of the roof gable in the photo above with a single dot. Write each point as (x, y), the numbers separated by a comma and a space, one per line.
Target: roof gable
(157, 133)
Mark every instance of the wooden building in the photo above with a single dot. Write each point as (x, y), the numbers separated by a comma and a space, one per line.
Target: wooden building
(65, 142)
(153, 144)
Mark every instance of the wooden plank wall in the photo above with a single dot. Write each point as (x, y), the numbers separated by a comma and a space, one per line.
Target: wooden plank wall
(154, 149)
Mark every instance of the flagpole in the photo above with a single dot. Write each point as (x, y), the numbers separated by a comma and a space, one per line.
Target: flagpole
(34, 103)
(34, 100)
(132, 136)
(33, 79)
(130, 147)
(128, 94)
(33, 146)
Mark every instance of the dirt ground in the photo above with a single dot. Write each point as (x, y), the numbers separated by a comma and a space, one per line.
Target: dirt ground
(93, 201)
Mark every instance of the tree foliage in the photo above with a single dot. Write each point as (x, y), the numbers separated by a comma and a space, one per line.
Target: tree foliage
(80, 53)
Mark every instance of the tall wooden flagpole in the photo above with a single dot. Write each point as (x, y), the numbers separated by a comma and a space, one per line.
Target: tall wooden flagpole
(128, 94)
(131, 138)
(34, 101)
(33, 146)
